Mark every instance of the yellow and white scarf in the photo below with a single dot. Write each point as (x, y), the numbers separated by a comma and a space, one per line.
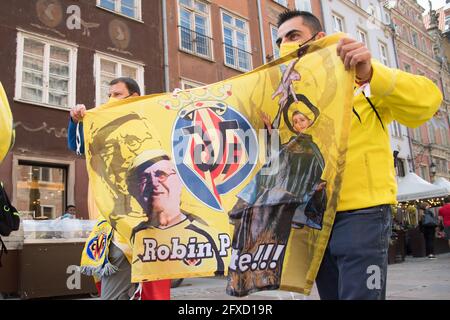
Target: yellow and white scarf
(94, 258)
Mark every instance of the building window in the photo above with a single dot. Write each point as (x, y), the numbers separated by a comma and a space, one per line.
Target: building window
(45, 71)
(383, 54)
(405, 33)
(424, 173)
(188, 84)
(444, 136)
(357, 2)
(417, 134)
(407, 67)
(236, 42)
(194, 28)
(387, 17)
(371, 10)
(447, 23)
(396, 129)
(129, 8)
(274, 37)
(362, 36)
(424, 45)
(282, 2)
(415, 39)
(338, 23)
(401, 171)
(431, 133)
(441, 165)
(41, 189)
(108, 68)
(303, 5)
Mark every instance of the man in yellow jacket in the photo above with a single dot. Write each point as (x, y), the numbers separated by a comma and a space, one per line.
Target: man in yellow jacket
(355, 262)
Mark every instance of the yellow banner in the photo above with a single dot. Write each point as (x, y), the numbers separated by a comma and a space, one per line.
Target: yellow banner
(6, 125)
(264, 151)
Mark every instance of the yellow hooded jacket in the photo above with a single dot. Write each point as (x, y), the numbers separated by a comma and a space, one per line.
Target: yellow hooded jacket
(369, 174)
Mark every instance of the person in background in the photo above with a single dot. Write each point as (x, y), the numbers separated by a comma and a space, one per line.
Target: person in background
(71, 212)
(444, 217)
(428, 228)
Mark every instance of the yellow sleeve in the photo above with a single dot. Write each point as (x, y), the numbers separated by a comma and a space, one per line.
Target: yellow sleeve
(409, 99)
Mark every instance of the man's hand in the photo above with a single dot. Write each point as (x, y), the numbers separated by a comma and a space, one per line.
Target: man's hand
(356, 55)
(77, 112)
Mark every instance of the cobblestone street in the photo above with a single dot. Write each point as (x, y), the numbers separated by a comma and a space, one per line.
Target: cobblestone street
(416, 278)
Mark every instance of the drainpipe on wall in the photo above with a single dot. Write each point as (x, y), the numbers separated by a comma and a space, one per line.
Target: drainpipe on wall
(166, 47)
(261, 32)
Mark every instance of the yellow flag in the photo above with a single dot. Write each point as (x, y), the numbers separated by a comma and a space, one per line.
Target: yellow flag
(264, 151)
(6, 125)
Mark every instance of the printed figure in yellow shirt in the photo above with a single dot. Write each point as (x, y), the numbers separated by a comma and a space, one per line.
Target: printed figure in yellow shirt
(182, 243)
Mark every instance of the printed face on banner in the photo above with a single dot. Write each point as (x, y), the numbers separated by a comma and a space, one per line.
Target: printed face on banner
(119, 143)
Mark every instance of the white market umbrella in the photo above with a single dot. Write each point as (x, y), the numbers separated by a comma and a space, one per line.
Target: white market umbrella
(413, 187)
(443, 183)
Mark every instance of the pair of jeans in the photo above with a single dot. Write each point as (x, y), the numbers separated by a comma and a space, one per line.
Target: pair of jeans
(354, 266)
(429, 235)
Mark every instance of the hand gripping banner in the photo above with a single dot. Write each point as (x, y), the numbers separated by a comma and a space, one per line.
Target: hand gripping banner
(239, 177)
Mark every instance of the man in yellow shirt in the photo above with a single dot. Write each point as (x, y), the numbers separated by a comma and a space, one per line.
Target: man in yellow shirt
(354, 265)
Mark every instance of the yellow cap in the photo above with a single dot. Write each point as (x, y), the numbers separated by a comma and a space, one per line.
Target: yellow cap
(303, 109)
(148, 155)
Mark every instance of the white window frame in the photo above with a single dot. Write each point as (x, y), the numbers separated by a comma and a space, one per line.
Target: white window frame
(275, 49)
(50, 175)
(120, 62)
(417, 134)
(396, 129)
(431, 133)
(360, 33)
(386, 16)
(249, 43)
(53, 216)
(281, 2)
(208, 26)
(72, 85)
(417, 45)
(384, 59)
(193, 84)
(303, 5)
(118, 6)
(335, 19)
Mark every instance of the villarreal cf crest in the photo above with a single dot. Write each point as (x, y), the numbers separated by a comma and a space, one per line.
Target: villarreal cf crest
(214, 146)
(97, 245)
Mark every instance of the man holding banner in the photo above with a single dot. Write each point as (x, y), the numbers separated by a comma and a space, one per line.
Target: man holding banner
(355, 262)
